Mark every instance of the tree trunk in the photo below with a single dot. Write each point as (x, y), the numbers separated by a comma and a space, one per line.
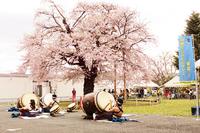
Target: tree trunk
(90, 75)
(89, 80)
(88, 85)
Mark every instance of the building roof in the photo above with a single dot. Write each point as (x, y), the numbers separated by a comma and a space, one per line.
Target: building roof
(14, 75)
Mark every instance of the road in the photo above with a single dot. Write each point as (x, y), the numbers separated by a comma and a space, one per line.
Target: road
(74, 123)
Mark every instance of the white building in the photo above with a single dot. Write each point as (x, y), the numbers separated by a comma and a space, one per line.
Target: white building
(14, 85)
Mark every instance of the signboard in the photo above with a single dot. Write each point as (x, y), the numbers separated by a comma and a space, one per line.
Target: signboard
(186, 59)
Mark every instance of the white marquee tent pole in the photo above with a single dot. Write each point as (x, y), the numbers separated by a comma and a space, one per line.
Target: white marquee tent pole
(197, 77)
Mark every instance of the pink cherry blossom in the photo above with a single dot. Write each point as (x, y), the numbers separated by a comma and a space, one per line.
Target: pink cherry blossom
(86, 42)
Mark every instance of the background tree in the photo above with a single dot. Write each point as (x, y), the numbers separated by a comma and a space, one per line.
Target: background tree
(192, 28)
(175, 60)
(163, 69)
(85, 42)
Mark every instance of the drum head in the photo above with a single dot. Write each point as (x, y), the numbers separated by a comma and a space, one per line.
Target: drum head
(55, 108)
(47, 99)
(104, 101)
(25, 99)
(71, 106)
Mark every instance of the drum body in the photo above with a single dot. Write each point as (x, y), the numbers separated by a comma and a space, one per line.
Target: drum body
(88, 104)
(98, 102)
(24, 100)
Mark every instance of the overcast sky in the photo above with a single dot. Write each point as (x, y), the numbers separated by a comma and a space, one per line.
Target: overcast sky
(165, 19)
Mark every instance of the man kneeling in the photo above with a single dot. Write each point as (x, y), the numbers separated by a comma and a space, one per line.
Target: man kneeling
(112, 114)
(30, 110)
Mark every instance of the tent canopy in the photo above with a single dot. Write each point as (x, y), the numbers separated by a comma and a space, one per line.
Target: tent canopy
(129, 84)
(197, 63)
(145, 84)
(175, 82)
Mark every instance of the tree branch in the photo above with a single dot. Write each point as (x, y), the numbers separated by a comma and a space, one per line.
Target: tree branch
(75, 23)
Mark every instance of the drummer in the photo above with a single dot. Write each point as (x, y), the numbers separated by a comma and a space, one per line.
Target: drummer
(46, 108)
(31, 110)
(114, 112)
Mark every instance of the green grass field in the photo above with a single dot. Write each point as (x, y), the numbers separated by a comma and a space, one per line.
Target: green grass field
(165, 107)
(180, 107)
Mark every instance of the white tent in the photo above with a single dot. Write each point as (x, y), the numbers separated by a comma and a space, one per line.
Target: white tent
(131, 84)
(109, 84)
(145, 84)
(175, 82)
(197, 63)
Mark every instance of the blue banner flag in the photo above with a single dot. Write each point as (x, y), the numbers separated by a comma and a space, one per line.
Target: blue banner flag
(186, 59)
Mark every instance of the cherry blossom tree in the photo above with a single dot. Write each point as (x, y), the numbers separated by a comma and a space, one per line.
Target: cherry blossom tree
(87, 41)
(162, 68)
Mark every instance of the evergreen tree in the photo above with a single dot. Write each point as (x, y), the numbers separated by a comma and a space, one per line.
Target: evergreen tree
(175, 60)
(192, 28)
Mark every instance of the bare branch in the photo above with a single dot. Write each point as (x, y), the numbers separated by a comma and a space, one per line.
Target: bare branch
(75, 23)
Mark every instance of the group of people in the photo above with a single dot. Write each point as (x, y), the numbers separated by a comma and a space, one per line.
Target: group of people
(32, 110)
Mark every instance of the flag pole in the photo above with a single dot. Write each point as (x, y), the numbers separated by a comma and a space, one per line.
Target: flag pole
(197, 77)
(197, 94)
